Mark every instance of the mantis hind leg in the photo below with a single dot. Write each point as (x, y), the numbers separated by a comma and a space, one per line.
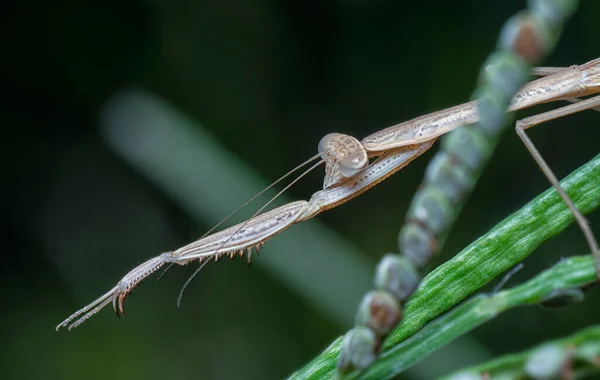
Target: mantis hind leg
(522, 125)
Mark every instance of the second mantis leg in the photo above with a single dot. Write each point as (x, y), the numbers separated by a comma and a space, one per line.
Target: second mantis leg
(532, 121)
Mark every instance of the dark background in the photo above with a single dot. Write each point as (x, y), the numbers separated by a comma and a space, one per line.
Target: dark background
(267, 79)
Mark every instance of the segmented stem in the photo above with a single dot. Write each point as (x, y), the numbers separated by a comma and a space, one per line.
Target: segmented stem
(451, 175)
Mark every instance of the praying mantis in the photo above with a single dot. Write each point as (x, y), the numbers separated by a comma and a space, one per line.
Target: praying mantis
(349, 172)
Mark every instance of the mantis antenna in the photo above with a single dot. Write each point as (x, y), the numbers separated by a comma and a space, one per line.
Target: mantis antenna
(189, 280)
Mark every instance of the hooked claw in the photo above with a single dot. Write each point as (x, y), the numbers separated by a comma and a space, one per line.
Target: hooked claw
(121, 296)
(119, 292)
(120, 309)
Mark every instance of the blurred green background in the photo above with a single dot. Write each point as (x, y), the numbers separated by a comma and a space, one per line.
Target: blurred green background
(130, 128)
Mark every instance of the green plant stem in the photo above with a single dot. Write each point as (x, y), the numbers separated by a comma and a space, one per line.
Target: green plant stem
(574, 272)
(501, 248)
(586, 345)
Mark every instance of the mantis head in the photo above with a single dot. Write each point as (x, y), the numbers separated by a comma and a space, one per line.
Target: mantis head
(345, 157)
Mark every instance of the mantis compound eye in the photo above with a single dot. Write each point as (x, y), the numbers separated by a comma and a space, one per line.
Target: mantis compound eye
(345, 157)
(353, 164)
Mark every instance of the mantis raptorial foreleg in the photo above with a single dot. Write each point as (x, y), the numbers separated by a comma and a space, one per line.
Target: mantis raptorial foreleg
(532, 121)
(242, 238)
